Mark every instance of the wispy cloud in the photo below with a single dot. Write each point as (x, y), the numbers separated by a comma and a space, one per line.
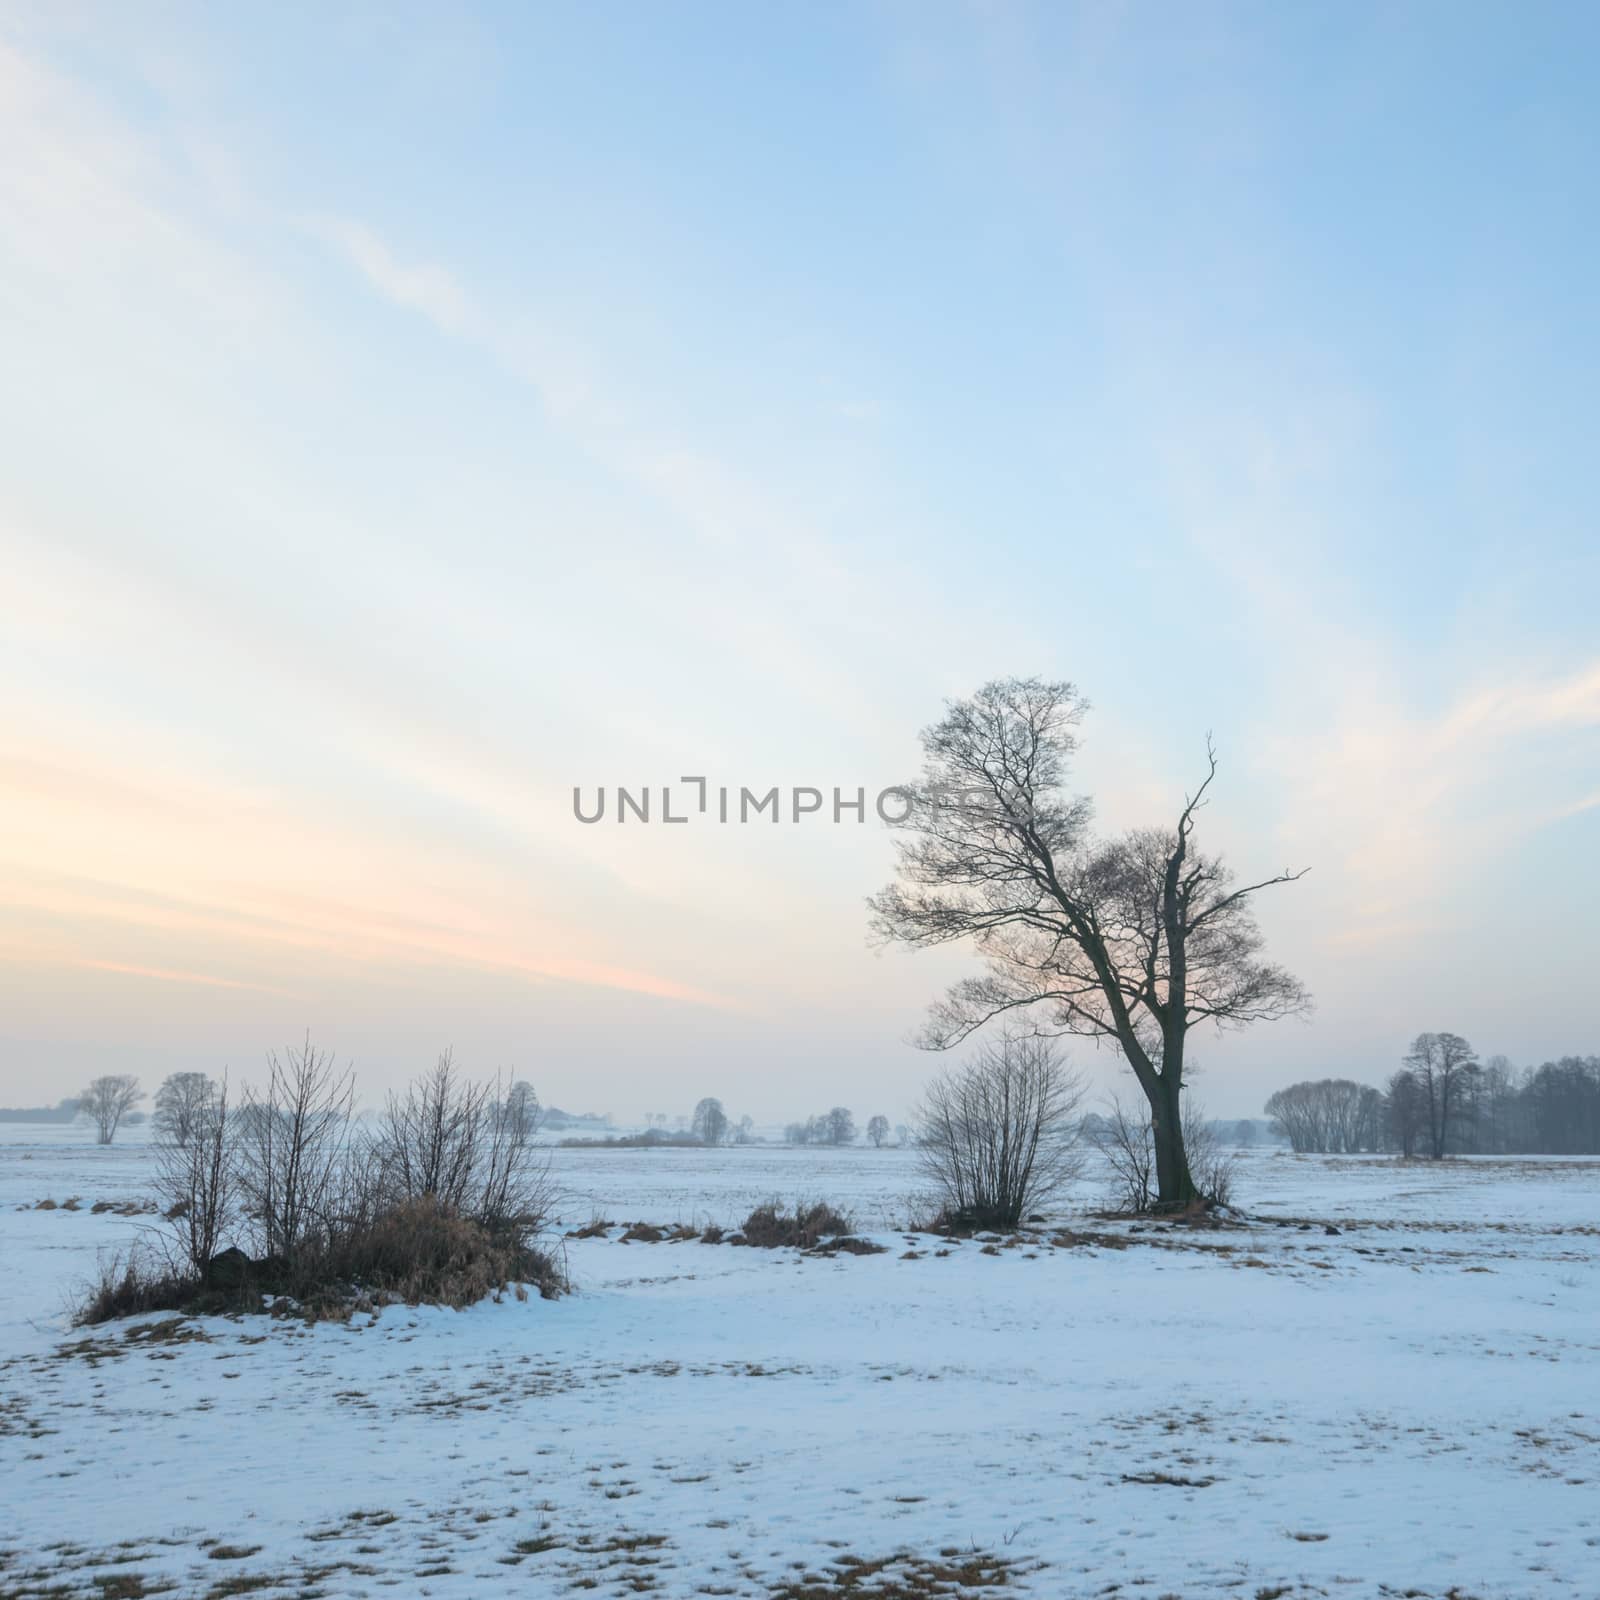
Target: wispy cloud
(422, 287)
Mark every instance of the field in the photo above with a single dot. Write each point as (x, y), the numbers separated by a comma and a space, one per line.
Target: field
(1385, 1382)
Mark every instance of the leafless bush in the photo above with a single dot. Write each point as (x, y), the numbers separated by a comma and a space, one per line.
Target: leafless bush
(468, 1148)
(431, 1136)
(196, 1178)
(997, 1137)
(293, 1139)
(1212, 1167)
(446, 1203)
(1126, 1141)
(515, 1193)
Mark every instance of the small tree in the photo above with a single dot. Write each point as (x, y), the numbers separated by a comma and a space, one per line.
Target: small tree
(180, 1102)
(710, 1124)
(877, 1131)
(998, 1136)
(107, 1101)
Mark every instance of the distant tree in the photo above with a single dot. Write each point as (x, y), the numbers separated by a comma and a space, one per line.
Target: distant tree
(1443, 1065)
(710, 1124)
(797, 1133)
(180, 1103)
(877, 1131)
(745, 1133)
(107, 1101)
(1404, 1111)
(998, 1136)
(839, 1126)
(902, 1134)
(1132, 941)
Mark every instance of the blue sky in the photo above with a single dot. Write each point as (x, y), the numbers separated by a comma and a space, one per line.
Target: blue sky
(413, 413)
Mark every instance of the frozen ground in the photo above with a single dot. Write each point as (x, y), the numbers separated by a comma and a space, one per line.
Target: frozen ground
(1408, 1406)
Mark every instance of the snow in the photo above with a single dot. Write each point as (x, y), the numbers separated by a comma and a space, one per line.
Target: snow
(1409, 1404)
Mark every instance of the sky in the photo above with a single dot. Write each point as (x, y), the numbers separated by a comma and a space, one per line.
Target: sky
(410, 413)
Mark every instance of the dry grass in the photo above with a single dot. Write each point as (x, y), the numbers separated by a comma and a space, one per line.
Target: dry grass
(953, 1575)
(769, 1227)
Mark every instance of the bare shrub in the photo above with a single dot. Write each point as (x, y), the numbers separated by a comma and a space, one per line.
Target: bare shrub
(770, 1227)
(468, 1148)
(432, 1134)
(446, 1204)
(292, 1145)
(196, 1178)
(997, 1136)
(1213, 1167)
(1125, 1139)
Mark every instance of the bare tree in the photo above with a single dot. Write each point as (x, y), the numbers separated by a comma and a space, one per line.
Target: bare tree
(1131, 942)
(1443, 1064)
(998, 1136)
(180, 1102)
(108, 1100)
(293, 1139)
(195, 1177)
(710, 1124)
(877, 1131)
(839, 1126)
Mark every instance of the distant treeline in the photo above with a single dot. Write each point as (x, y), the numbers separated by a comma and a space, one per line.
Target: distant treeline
(64, 1111)
(1443, 1101)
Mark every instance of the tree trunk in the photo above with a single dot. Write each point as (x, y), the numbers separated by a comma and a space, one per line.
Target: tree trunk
(1175, 1190)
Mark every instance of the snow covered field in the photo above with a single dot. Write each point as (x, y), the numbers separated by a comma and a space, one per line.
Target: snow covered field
(1410, 1405)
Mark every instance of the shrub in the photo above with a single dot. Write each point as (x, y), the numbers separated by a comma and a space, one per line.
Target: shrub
(997, 1136)
(1126, 1141)
(423, 1253)
(769, 1227)
(448, 1204)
